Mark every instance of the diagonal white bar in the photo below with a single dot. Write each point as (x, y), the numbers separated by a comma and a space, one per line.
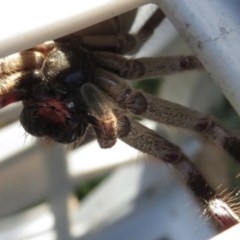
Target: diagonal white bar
(27, 23)
(211, 29)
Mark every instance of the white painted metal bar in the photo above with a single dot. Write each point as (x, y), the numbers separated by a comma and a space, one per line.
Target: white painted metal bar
(25, 23)
(136, 202)
(211, 29)
(14, 140)
(23, 167)
(35, 221)
(232, 233)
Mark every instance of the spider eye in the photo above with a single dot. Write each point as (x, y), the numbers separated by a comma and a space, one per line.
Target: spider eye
(71, 121)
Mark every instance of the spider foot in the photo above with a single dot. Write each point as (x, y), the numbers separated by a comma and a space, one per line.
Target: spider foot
(222, 213)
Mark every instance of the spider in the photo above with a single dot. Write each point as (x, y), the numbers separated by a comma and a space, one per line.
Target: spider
(77, 81)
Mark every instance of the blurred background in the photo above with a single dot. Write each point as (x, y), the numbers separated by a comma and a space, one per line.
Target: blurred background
(53, 192)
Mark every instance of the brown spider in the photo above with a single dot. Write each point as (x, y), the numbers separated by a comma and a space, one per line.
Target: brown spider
(78, 80)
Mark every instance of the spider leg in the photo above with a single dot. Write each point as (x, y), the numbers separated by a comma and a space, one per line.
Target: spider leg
(176, 115)
(151, 143)
(112, 34)
(13, 88)
(105, 123)
(120, 92)
(16, 71)
(142, 68)
(45, 47)
(28, 60)
(166, 112)
(123, 43)
(138, 68)
(20, 62)
(148, 28)
(20, 71)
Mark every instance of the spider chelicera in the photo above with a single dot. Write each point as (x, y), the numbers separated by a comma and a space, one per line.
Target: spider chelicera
(77, 81)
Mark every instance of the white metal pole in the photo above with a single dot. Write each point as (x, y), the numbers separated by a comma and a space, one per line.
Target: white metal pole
(211, 29)
(26, 23)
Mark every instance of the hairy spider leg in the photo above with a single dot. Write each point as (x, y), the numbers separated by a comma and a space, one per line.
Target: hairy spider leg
(166, 112)
(21, 69)
(100, 115)
(124, 42)
(150, 142)
(104, 121)
(142, 68)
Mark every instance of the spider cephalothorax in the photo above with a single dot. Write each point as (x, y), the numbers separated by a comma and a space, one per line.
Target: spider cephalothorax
(77, 81)
(54, 107)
